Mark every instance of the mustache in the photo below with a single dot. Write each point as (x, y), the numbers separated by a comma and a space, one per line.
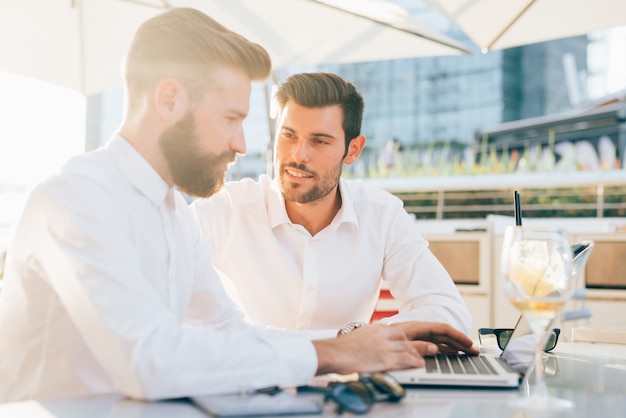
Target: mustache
(300, 167)
(226, 157)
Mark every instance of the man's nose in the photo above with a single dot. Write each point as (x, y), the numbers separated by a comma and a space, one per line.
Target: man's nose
(238, 142)
(301, 152)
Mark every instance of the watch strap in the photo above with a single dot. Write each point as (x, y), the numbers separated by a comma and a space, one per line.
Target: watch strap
(348, 328)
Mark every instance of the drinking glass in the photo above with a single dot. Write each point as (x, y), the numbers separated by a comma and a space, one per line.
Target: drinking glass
(536, 266)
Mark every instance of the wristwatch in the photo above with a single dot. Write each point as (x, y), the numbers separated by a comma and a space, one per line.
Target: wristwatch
(349, 327)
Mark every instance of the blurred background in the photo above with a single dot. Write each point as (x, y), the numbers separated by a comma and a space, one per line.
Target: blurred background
(550, 106)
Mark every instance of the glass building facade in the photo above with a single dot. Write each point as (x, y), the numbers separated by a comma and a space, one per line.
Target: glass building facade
(420, 101)
(449, 99)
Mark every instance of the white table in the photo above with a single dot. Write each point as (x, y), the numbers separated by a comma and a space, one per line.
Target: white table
(593, 376)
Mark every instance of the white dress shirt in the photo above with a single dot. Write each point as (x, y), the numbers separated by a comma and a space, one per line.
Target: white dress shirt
(109, 287)
(283, 276)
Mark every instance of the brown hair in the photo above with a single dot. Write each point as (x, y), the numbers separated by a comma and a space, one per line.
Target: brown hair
(186, 44)
(321, 90)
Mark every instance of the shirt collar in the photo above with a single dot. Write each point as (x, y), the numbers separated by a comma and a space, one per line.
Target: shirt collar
(278, 213)
(139, 172)
(276, 206)
(347, 213)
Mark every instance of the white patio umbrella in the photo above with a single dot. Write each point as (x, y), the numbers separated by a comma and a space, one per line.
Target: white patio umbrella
(499, 24)
(80, 43)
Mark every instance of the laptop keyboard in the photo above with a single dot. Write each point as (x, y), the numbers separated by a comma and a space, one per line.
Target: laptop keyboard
(459, 364)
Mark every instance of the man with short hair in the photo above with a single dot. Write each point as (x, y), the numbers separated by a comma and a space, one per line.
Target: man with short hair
(309, 250)
(108, 285)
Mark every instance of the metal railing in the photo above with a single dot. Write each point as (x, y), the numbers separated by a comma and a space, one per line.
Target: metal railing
(554, 194)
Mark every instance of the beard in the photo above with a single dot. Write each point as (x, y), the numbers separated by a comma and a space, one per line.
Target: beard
(193, 172)
(293, 192)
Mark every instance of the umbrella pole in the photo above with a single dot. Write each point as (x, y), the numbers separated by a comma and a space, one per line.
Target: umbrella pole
(269, 152)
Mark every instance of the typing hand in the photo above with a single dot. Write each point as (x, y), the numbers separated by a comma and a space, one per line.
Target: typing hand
(370, 348)
(431, 338)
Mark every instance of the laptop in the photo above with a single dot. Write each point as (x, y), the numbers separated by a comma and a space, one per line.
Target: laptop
(483, 371)
(490, 370)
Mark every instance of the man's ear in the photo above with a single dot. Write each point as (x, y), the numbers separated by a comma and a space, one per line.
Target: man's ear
(171, 99)
(354, 149)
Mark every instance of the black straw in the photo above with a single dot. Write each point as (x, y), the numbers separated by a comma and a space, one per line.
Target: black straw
(518, 210)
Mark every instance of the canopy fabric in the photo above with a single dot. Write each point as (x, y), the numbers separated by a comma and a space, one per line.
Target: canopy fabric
(81, 43)
(499, 24)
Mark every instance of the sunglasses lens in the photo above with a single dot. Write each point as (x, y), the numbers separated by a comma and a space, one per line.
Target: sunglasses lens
(504, 335)
(388, 386)
(503, 338)
(353, 397)
(551, 343)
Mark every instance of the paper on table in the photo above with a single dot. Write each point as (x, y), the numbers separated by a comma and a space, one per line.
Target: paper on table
(281, 403)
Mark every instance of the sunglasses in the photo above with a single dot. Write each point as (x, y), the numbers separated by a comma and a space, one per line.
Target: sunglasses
(503, 335)
(358, 396)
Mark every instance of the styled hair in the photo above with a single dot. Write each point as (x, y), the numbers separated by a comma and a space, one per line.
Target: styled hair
(321, 90)
(186, 44)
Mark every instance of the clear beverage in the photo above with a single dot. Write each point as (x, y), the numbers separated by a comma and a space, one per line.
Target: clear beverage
(536, 266)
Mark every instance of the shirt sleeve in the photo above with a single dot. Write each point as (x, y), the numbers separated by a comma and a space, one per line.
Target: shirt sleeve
(209, 300)
(85, 251)
(417, 279)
